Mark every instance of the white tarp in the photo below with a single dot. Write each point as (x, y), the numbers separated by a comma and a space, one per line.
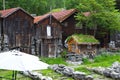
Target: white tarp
(15, 60)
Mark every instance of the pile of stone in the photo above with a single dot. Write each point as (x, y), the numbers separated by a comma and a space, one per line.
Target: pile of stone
(112, 71)
(67, 71)
(36, 75)
(77, 59)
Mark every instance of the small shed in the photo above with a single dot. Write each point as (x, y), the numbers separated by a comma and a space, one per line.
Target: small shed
(82, 44)
(48, 35)
(16, 29)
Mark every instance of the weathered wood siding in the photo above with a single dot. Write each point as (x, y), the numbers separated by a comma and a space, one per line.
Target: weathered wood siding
(17, 30)
(48, 45)
(74, 47)
(69, 27)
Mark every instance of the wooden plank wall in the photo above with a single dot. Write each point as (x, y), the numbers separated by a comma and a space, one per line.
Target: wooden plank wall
(17, 31)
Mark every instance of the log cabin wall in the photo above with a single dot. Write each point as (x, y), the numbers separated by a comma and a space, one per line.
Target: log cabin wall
(87, 49)
(82, 48)
(17, 31)
(48, 46)
(69, 27)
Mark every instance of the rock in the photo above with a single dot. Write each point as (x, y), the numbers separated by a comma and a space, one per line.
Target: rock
(115, 75)
(98, 70)
(107, 72)
(79, 75)
(53, 67)
(115, 64)
(89, 77)
(36, 75)
(68, 71)
(112, 72)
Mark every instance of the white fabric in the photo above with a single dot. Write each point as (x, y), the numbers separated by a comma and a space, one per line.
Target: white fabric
(15, 60)
(48, 30)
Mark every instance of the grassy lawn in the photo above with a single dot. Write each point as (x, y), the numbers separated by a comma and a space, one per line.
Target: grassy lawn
(103, 60)
(7, 75)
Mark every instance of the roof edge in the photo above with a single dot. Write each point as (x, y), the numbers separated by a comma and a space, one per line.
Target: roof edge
(18, 8)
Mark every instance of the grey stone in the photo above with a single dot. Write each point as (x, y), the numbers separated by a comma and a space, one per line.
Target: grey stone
(115, 75)
(112, 72)
(89, 77)
(79, 75)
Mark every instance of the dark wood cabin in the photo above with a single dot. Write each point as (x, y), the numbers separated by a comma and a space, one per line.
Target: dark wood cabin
(68, 21)
(16, 29)
(82, 44)
(48, 36)
(69, 27)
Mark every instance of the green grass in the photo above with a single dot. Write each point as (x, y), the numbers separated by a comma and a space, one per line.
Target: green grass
(7, 75)
(54, 75)
(103, 60)
(58, 60)
(83, 69)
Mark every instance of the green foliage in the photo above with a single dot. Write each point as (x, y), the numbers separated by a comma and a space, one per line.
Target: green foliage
(71, 3)
(58, 60)
(63, 54)
(86, 61)
(80, 38)
(38, 7)
(102, 13)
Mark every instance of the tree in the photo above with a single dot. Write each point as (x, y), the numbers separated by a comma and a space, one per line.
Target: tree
(32, 6)
(71, 3)
(102, 14)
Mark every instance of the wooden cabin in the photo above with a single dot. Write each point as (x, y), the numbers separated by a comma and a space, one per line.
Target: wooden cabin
(48, 35)
(68, 21)
(69, 26)
(16, 29)
(82, 44)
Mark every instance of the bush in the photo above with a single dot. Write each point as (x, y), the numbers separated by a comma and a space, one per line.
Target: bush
(64, 53)
(86, 61)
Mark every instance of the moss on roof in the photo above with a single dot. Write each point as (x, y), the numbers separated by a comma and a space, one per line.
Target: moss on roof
(83, 39)
(57, 10)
